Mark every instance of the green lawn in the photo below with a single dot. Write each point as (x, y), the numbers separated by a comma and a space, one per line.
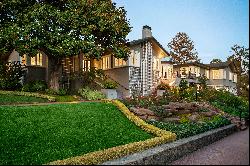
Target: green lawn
(14, 99)
(41, 134)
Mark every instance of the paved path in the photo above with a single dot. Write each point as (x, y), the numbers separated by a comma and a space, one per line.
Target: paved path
(231, 150)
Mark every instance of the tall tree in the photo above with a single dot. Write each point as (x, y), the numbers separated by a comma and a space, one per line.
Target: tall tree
(64, 28)
(182, 48)
(215, 61)
(240, 57)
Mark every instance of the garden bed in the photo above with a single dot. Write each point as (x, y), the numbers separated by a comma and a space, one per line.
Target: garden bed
(41, 134)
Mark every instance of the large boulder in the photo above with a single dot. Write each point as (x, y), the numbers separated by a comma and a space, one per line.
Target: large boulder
(136, 111)
(194, 117)
(146, 111)
(153, 117)
(208, 114)
(174, 119)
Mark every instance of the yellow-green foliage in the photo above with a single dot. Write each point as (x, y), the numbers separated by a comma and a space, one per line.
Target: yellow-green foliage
(119, 151)
(50, 98)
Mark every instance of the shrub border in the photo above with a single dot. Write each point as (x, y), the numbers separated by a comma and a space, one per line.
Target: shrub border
(98, 157)
(50, 98)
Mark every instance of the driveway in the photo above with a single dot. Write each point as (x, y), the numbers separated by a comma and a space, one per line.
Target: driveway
(231, 150)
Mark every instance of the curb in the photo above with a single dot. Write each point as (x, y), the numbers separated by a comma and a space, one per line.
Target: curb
(167, 153)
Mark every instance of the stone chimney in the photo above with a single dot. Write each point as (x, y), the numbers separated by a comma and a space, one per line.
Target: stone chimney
(146, 31)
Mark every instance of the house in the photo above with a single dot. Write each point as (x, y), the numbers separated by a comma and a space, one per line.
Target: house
(140, 74)
(220, 75)
(223, 75)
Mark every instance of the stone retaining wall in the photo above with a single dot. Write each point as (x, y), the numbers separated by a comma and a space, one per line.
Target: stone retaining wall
(166, 153)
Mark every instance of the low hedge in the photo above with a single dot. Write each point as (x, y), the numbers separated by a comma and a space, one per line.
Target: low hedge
(119, 151)
(50, 98)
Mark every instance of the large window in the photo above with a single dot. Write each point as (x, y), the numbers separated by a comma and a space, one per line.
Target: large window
(85, 65)
(230, 76)
(106, 62)
(37, 60)
(216, 74)
(119, 62)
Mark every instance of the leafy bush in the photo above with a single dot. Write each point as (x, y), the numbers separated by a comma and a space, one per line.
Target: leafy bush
(51, 91)
(60, 91)
(183, 86)
(35, 86)
(160, 111)
(11, 74)
(89, 94)
(88, 78)
(109, 85)
(163, 86)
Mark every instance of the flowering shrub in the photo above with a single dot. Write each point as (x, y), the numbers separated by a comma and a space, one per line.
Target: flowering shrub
(109, 85)
(89, 94)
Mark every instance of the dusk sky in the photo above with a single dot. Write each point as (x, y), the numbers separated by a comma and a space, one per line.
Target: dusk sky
(214, 25)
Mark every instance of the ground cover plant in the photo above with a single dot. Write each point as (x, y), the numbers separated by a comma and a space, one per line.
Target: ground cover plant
(41, 134)
(187, 129)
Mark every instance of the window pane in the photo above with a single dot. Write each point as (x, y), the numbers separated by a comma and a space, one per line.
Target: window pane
(33, 60)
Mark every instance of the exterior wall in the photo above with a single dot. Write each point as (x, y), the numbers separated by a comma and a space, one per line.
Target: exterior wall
(14, 56)
(120, 75)
(157, 68)
(223, 81)
(33, 72)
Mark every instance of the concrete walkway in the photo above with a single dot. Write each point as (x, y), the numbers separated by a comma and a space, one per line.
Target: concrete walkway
(231, 150)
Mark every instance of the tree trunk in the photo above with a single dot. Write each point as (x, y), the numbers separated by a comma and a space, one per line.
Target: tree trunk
(54, 73)
(4, 57)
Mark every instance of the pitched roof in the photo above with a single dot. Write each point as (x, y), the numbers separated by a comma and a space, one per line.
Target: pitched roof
(139, 41)
(193, 63)
(219, 65)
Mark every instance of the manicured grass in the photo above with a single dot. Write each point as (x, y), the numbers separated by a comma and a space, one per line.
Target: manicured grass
(41, 134)
(15, 99)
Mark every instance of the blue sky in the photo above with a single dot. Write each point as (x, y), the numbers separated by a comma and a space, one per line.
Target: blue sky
(214, 25)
